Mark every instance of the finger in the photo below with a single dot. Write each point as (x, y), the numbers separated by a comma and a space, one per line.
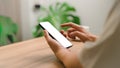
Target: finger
(63, 33)
(80, 35)
(63, 54)
(48, 38)
(54, 45)
(72, 25)
(46, 35)
(71, 36)
(69, 31)
(60, 53)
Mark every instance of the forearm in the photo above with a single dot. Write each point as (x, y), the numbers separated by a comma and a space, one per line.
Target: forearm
(75, 63)
(69, 59)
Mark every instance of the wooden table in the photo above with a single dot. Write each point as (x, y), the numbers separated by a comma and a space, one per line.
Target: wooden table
(33, 53)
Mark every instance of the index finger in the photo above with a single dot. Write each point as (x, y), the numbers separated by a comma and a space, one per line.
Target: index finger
(75, 26)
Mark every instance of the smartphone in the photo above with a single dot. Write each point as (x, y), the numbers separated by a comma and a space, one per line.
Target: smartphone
(55, 34)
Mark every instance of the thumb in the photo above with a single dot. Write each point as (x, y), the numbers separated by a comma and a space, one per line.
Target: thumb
(54, 45)
(46, 34)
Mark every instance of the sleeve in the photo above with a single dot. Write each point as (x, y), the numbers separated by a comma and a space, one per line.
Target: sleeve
(104, 53)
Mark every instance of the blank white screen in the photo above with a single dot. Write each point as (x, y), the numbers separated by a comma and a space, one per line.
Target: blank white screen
(56, 34)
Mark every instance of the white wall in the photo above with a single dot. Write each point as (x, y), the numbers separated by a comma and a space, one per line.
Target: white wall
(26, 20)
(11, 9)
(92, 13)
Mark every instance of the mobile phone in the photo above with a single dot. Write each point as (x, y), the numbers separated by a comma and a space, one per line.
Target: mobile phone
(55, 34)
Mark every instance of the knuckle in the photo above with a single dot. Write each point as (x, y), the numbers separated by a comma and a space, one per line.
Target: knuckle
(69, 29)
(76, 32)
(71, 23)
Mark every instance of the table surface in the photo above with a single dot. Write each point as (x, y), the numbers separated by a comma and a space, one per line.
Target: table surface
(33, 53)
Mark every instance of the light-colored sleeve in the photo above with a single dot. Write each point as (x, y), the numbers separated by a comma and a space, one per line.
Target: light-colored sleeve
(105, 52)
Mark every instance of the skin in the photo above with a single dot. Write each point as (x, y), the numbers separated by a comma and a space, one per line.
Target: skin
(78, 31)
(69, 59)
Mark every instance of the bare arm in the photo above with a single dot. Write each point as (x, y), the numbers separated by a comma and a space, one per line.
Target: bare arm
(69, 59)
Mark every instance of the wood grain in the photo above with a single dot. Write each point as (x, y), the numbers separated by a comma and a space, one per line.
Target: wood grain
(33, 53)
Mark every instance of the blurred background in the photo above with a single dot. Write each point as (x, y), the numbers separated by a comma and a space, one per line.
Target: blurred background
(19, 18)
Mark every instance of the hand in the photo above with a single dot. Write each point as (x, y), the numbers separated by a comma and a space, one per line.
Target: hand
(69, 59)
(78, 31)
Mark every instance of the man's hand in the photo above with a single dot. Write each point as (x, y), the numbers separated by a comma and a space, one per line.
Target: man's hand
(78, 31)
(69, 59)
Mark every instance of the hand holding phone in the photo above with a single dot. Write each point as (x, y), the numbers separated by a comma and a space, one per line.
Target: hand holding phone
(55, 34)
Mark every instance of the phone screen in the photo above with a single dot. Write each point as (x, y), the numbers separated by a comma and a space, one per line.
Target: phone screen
(56, 34)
